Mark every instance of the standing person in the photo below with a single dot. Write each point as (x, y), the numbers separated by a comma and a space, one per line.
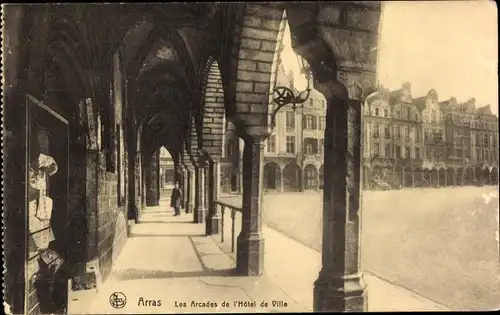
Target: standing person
(176, 199)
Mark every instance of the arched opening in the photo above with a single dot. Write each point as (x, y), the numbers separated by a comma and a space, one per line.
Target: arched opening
(469, 176)
(450, 177)
(478, 174)
(310, 177)
(459, 176)
(167, 173)
(213, 131)
(225, 178)
(408, 177)
(213, 135)
(442, 177)
(427, 180)
(272, 177)
(418, 176)
(398, 177)
(291, 177)
(321, 177)
(494, 176)
(376, 177)
(434, 177)
(485, 176)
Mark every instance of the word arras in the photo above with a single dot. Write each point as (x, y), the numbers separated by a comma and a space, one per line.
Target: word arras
(143, 302)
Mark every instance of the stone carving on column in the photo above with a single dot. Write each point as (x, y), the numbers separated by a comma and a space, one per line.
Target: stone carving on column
(250, 242)
(200, 163)
(213, 218)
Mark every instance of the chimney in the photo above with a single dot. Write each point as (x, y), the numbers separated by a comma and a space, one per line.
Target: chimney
(407, 86)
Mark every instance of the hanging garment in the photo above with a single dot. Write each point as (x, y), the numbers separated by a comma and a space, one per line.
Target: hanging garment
(40, 211)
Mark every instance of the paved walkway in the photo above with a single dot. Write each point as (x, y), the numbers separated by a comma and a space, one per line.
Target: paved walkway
(170, 263)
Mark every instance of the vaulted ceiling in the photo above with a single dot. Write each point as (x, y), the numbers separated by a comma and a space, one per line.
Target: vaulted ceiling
(162, 50)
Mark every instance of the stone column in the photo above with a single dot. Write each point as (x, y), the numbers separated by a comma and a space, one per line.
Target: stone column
(250, 242)
(213, 219)
(240, 177)
(199, 204)
(185, 187)
(281, 177)
(206, 194)
(190, 189)
(152, 184)
(138, 184)
(300, 177)
(157, 177)
(340, 285)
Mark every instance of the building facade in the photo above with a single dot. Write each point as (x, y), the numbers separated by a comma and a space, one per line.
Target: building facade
(408, 142)
(418, 142)
(167, 170)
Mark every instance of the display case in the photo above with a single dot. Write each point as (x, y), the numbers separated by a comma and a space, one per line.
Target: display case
(46, 209)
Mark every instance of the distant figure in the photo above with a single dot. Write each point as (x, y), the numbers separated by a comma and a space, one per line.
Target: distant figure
(176, 199)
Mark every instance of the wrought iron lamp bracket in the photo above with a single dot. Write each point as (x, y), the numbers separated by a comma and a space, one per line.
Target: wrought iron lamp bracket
(286, 96)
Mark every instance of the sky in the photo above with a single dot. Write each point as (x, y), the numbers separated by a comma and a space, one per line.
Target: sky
(449, 46)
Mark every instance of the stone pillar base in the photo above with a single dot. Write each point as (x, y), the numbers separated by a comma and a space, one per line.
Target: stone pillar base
(87, 276)
(347, 294)
(199, 215)
(212, 225)
(250, 255)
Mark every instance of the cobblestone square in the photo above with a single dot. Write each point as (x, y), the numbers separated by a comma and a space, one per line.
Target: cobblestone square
(439, 243)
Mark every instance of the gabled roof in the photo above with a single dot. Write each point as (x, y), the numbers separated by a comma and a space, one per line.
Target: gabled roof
(395, 96)
(450, 104)
(419, 102)
(380, 94)
(484, 111)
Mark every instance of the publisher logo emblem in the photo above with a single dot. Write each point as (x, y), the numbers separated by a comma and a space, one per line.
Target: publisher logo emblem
(118, 300)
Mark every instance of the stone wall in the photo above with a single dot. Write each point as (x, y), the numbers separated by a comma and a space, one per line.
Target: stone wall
(111, 222)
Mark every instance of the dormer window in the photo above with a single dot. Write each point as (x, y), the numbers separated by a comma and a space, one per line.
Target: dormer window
(376, 111)
(386, 113)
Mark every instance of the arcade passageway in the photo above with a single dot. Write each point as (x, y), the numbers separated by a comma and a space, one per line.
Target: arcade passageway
(98, 89)
(170, 261)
